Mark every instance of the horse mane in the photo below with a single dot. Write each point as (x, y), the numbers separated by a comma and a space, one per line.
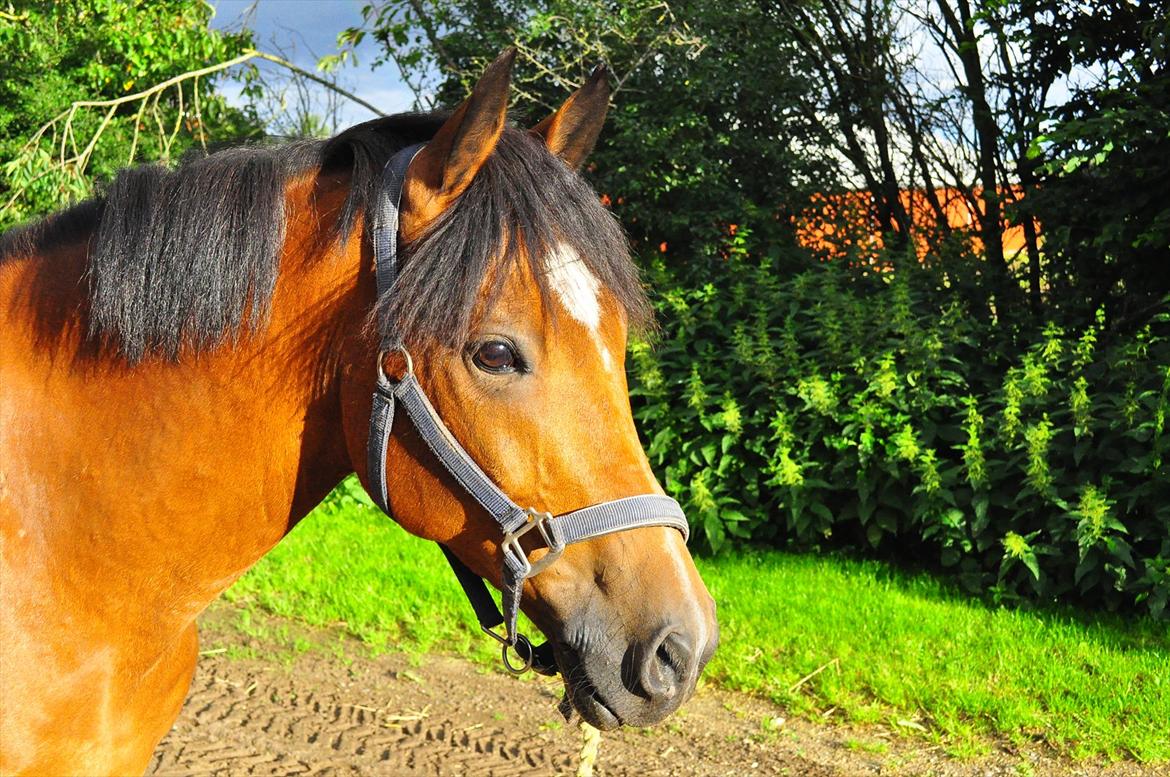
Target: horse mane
(186, 257)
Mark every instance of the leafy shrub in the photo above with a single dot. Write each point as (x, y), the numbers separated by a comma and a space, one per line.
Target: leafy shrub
(870, 409)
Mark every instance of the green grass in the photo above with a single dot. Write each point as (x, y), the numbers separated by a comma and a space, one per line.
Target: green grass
(905, 650)
(891, 647)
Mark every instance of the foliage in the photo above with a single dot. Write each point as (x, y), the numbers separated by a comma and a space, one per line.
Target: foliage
(1051, 115)
(1053, 676)
(1105, 155)
(705, 128)
(54, 54)
(924, 412)
(871, 410)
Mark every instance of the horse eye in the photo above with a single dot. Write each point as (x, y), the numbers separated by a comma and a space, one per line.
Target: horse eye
(495, 356)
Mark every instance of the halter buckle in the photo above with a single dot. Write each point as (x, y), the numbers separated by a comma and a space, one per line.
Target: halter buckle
(511, 544)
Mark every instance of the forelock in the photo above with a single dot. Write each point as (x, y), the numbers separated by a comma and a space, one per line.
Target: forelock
(524, 206)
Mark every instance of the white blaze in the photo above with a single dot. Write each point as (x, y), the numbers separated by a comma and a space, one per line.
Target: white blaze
(578, 290)
(575, 285)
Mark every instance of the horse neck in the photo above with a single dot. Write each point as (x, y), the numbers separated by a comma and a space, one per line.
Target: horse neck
(286, 385)
(169, 479)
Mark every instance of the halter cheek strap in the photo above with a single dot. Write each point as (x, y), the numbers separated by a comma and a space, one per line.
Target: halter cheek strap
(513, 521)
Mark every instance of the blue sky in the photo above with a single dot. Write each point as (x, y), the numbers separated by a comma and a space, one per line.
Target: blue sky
(305, 30)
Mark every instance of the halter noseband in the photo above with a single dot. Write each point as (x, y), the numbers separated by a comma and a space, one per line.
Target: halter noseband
(514, 522)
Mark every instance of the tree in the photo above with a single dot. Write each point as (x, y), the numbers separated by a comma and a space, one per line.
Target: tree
(704, 130)
(851, 50)
(53, 55)
(1102, 161)
(1047, 115)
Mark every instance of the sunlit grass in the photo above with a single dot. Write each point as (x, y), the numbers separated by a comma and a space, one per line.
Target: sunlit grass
(906, 650)
(819, 634)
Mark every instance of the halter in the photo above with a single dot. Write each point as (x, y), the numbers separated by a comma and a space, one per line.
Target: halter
(514, 521)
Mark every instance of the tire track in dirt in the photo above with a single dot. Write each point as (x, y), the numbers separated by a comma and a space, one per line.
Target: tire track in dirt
(332, 710)
(320, 716)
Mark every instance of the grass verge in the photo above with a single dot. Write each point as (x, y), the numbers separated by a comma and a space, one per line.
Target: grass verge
(825, 636)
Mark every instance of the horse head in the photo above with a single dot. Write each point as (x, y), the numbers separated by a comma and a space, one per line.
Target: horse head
(515, 299)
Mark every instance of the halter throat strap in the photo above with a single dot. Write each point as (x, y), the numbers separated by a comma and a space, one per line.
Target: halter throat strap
(513, 521)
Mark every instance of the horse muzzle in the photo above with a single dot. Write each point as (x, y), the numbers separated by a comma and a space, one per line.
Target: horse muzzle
(613, 679)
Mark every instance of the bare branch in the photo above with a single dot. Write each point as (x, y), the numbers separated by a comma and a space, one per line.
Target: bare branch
(318, 79)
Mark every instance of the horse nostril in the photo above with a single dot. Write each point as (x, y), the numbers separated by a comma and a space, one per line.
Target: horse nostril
(667, 665)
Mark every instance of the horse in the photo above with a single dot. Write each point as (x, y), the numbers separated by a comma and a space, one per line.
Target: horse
(187, 365)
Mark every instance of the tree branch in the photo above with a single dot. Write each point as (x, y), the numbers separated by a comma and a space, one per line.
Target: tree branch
(432, 36)
(75, 165)
(313, 77)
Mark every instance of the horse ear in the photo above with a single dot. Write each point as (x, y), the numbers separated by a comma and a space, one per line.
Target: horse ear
(571, 132)
(447, 165)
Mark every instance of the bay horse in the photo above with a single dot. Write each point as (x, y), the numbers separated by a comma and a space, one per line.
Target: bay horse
(186, 365)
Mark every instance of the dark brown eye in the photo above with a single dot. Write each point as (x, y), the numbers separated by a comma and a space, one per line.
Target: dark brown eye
(495, 356)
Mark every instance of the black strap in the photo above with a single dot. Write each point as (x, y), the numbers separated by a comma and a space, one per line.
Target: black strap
(385, 243)
(385, 237)
(486, 612)
(489, 615)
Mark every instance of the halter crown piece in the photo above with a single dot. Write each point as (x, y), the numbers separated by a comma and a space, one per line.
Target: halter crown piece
(514, 521)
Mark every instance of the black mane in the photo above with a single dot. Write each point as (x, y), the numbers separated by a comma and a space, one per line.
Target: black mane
(187, 256)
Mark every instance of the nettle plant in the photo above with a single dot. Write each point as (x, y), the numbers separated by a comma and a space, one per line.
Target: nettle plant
(841, 407)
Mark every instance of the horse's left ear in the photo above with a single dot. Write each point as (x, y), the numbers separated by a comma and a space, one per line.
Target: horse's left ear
(571, 132)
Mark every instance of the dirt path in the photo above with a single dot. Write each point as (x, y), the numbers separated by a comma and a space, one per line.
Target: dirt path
(331, 710)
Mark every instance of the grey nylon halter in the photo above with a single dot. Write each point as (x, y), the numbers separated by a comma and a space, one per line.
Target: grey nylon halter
(514, 521)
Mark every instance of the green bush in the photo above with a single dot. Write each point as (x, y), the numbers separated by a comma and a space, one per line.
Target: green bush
(849, 407)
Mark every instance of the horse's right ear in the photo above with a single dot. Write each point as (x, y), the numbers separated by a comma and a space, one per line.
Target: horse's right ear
(446, 166)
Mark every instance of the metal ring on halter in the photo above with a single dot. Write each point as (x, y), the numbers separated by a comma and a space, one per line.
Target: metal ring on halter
(405, 353)
(528, 654)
